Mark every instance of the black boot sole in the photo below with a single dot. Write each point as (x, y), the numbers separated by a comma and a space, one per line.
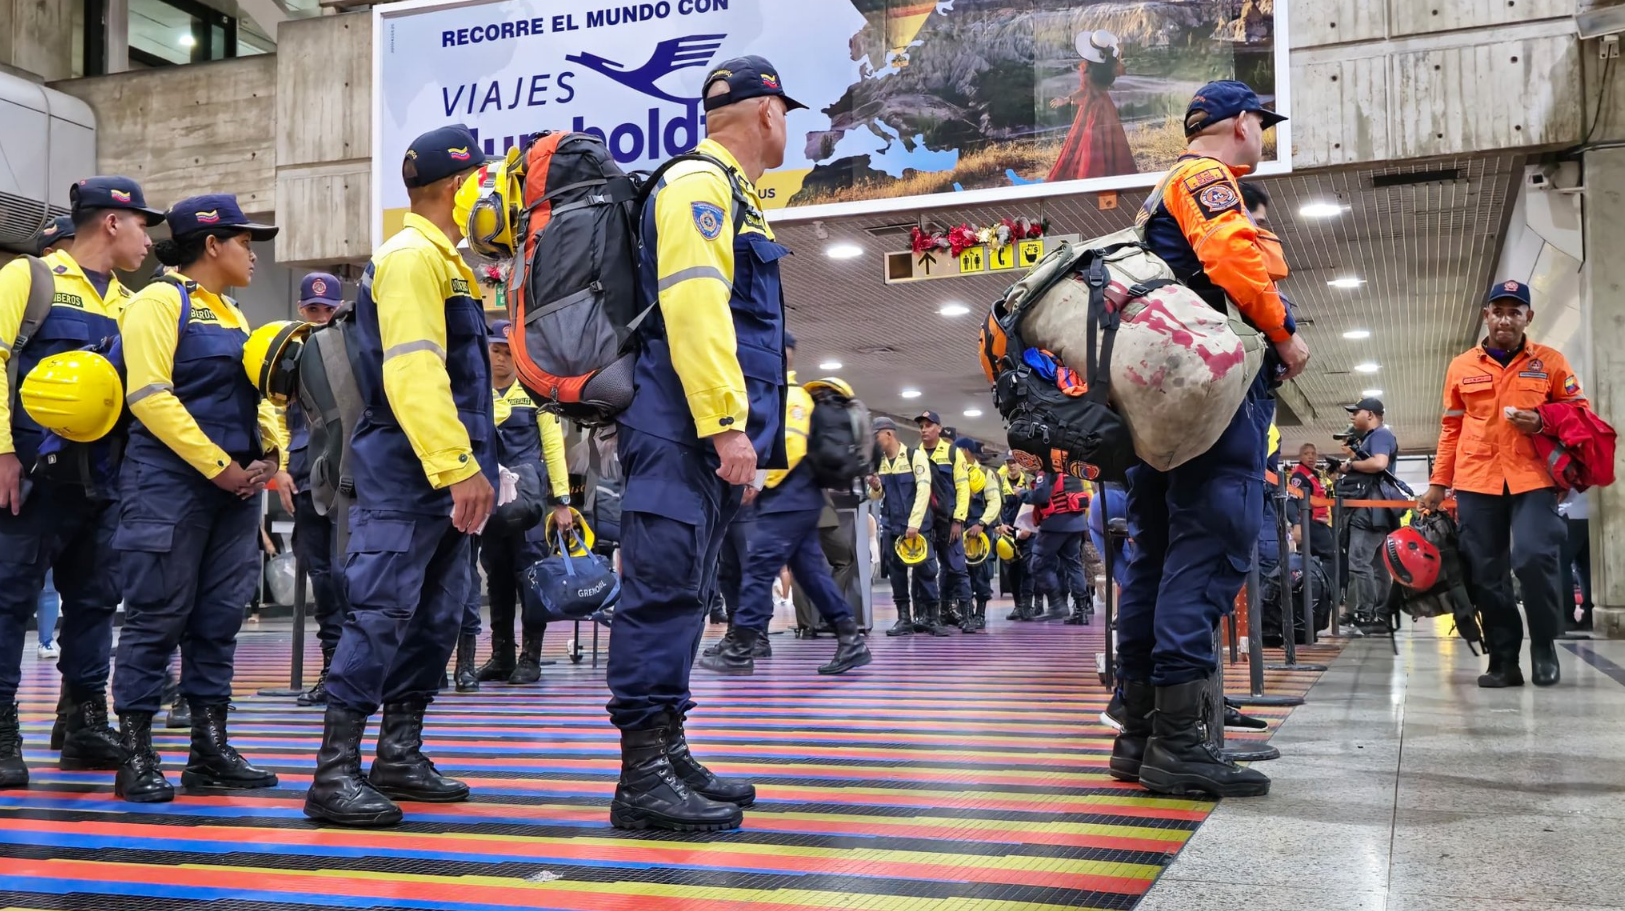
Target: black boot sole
(623, 817)
(898, 634)
(308, 701)
(1497, 682)
(422, 796)
(379, 820)
(204, 782)
(1124, 770)
(743, 803)
(525, 680)
(729, 670)
(165, 796)
(1181, 785)
(14, 781)
(832, 668)
(468, 687)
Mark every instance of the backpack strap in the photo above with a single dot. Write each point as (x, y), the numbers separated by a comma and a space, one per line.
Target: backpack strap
(339, 360)
(41, 292)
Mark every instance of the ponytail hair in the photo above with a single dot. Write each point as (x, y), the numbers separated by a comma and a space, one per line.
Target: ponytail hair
(180, 252)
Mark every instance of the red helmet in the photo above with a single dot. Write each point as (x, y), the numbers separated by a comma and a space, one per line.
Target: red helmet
(1412, 560)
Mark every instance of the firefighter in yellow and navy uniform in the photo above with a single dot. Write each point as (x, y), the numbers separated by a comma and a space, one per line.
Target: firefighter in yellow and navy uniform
(950, 504)
(525, 436)
(57, 522)
(202, 446)
(425, 470)
(902, 484)
(786, 534)
(1013, 483)
(706, 418)
(986, 504)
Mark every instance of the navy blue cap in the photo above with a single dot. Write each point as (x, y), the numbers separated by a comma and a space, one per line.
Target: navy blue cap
(1511, 290)
(214, 210)
(441, 153)
(1218, 101)
(928, 417)
(1373, 405)
(747, 77)
(321, 288)
(112, 193)
(60, 229)
(883, 423)
(972, 446)
(499, 332)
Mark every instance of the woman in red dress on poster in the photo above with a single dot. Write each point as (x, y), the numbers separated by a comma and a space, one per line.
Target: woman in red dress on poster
(1096, 145)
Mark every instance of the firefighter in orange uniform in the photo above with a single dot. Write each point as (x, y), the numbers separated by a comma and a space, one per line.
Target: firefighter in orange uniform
(1505, 495)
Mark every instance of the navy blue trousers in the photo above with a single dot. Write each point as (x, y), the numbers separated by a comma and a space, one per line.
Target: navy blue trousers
(924, 588)
(953, 578)
(674, 518)
(1506, 534)
(731, 560)
(788, 539)
(471, 603)
(1193, 530)
(189, 559)
(407, 578)
(61, 530)
(981, 578)
(504, 558)
(313, 547)
(1058, 565)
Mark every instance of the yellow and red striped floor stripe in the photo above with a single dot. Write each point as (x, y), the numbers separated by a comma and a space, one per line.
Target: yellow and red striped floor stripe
(958, 774)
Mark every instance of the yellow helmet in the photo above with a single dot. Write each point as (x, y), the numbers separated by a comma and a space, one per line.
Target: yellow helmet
(76, 394)
(487, 206)
(580, 542)
(831, 383)
(271, 358)
(1005, 546)
(912, 551)
(977, 547)
(1275, 439)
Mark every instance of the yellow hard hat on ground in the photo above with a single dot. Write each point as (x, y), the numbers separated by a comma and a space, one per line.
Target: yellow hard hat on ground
(1005, 546)
(271, 358)
(581, 540)
(487, 205)
(977, 547)
(912, 551)
(76, 394)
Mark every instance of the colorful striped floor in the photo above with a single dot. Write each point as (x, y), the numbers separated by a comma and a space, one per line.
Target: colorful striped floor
(957, 774)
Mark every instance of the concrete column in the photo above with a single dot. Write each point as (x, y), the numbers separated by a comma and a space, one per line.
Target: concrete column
(37, 38)
(1602, 310)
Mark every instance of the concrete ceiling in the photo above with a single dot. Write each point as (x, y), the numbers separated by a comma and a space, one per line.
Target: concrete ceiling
(1423, 237)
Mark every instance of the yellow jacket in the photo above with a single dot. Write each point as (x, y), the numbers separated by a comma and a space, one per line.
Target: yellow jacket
(978, 484)
(798, 407)
(918, 464)
(150, 330)
(947, 453)
(548, 426)
(73, 289)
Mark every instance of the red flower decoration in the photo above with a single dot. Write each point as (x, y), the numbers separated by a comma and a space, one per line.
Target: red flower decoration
(961, 239)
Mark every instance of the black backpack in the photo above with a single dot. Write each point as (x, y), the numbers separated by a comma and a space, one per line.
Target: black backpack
(573, 293)
(330, 398)
(840, 438)
(1272, 608)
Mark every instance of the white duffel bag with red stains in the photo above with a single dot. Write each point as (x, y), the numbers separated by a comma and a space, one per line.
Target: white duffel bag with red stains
(1177, 369)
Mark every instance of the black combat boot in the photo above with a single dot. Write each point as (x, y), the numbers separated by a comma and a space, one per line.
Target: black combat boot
(1133, 712)
(717, 646)
(214, 763)
(1233, 717)
(90, 742)
(64, 708)
(981, 614)
(1503, 672)
(736, 791)
(1179, 758)
(904, 625)
(528, 669)
(1543, 663)
(967, 617)
(468, 676)
(317, 694)
(180, 714)
(1077, 617)
(734, 656)
(761, 648)
(339, 793)
(1057, 608)
(1022, 609)
(930, 620)
(401, 771)
(651, 795)
(140, 778)
(949, 613)
(851, 650)
(13, 773)
(501, 663)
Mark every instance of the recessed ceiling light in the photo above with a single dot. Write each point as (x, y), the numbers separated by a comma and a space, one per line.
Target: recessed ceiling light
(1321, 210)
(1350, 282)
(830, 365)
(843, 251)
(186, 40)
(1371, 393)
(973, 412)
(1357, 334)
(1368, 367)
(911, 393)
(954, 310)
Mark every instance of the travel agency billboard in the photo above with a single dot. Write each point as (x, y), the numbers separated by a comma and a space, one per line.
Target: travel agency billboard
(989, 100)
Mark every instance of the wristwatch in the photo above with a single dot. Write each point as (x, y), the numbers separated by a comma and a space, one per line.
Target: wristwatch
(562, 501)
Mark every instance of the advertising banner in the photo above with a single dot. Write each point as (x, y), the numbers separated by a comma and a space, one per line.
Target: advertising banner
(907, 101)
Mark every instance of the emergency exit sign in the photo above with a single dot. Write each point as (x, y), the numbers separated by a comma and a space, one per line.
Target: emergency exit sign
(1015, 257)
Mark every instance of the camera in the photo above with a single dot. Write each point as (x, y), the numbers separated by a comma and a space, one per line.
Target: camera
(1346, 435)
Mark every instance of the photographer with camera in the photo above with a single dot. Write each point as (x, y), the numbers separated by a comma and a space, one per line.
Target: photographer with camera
(1365, 475)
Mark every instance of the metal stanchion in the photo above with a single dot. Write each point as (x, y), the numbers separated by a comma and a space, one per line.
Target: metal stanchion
(1307, 553)
(1289, 632)
(1255, 649)
(296, 670)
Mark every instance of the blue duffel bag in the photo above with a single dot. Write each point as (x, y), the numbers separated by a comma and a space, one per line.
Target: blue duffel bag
(564, 587)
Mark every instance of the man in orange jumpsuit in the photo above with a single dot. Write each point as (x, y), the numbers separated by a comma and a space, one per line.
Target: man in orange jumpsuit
(1506, 498)
(1194, 526)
